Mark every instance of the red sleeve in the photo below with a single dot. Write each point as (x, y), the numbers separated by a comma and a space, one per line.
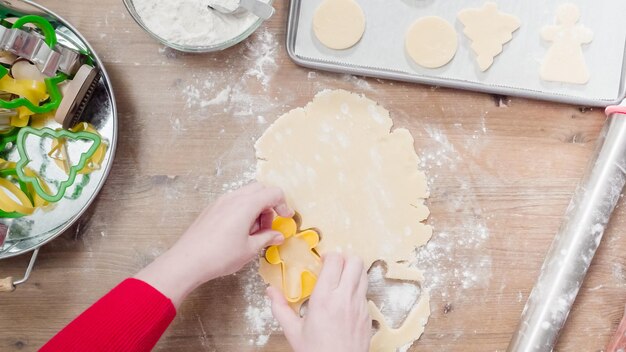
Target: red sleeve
(132, 317)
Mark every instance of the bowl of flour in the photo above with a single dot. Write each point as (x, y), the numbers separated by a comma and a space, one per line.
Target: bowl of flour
(191, 25)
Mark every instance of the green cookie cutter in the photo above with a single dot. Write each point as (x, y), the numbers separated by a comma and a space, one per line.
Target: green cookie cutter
(50, 36)
(52, 85)
(73, 171)
(8, 138)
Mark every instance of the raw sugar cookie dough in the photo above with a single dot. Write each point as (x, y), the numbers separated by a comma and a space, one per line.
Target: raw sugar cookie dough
(488, 29)
(339, 24)
(349, 175)
(565, 61)
(431, 42)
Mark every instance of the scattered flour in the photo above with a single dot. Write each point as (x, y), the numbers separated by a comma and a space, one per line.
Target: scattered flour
(216, 91)
(245, 177)
(263, 53)
(260, 321)
(192, 22)
(460, 229)
(221, 98)
(396, 299)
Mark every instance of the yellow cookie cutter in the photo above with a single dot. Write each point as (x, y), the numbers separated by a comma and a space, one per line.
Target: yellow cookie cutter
(289, 229)
(33, 91)
(19, 202)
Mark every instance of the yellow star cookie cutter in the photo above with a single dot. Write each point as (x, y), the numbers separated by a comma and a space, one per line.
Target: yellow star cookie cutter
(291, 250)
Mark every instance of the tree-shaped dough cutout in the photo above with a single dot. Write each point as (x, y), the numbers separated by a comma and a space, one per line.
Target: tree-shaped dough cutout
(488, 29)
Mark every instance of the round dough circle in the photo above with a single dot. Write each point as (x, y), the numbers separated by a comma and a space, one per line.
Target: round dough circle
(339, 24)
(431, 42)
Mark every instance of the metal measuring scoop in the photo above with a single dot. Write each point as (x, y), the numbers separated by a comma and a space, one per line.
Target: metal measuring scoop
(257, 7)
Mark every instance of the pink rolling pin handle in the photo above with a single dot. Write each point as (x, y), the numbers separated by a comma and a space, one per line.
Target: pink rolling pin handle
(615, 109)
(618, 342)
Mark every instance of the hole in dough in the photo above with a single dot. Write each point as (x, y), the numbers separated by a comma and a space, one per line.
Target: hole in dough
(395, 298)
(339, 24)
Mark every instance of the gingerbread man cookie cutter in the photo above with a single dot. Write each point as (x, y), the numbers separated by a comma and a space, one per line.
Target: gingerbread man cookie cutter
(309, 263)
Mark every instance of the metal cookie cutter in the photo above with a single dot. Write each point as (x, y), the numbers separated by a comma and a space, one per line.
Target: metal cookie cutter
(308, 278)
(44, 51)
(76, 96)
(32, 47)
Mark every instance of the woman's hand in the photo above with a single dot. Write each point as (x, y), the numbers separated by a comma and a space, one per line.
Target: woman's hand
(337, 318)
(224, 238)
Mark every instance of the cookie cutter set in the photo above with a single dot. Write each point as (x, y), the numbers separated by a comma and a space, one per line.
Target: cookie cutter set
(381, 53)
(58, 53)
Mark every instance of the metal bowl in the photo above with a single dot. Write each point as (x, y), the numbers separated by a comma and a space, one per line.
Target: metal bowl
(31, 232)
(190, 48)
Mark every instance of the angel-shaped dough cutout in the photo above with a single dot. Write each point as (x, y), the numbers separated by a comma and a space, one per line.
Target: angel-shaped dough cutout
(565, 61)
(488, 29)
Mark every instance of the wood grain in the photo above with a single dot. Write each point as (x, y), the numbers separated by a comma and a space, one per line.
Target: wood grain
(520, 161)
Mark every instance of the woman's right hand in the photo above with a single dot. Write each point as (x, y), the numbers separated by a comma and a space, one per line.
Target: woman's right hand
(337, 318)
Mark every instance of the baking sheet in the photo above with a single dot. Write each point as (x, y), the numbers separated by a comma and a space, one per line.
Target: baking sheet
(381, 51)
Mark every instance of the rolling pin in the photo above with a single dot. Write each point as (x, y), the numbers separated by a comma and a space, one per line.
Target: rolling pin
(576, 242)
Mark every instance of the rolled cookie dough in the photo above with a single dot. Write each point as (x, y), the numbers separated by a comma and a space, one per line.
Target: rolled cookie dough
(431, 42)
(339, 24)
(356, 181)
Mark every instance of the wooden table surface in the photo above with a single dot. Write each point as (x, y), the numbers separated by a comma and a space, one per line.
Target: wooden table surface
(502, 171)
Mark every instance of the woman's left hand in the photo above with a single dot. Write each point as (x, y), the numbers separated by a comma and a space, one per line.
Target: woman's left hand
(225, 237)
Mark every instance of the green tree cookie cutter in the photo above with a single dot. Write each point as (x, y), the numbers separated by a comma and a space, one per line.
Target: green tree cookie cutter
(52, 84)
(73, 171)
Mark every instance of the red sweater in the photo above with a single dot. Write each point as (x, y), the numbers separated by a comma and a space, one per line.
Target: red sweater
(132, 317)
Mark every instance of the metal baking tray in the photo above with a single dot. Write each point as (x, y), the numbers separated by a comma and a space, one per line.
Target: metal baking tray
(515, 72)
(30, 233)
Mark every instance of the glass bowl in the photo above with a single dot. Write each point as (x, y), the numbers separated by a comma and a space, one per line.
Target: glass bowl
(190, 48)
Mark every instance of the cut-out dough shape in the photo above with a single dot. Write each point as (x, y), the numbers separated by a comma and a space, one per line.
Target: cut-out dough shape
(431, 42)
(296, 259)
(387, 339)
(488, 29)
(351, 177)
(565, 61)
(339, 24)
